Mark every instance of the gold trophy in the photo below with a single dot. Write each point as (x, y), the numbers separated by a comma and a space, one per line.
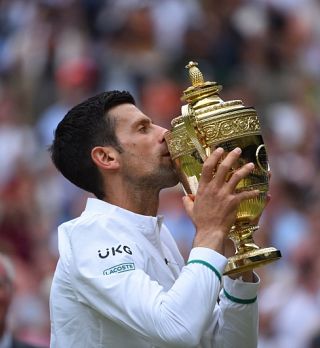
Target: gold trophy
(208, 122)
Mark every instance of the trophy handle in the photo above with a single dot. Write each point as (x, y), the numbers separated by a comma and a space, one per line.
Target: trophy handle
(258, 160)
(188, 119)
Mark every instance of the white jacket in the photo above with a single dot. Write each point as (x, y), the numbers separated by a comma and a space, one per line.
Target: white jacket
(121, 283)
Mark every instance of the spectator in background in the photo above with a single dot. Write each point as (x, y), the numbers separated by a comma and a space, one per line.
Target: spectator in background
(160, 97)
(7, 282)
(75, 79)
(315, 340)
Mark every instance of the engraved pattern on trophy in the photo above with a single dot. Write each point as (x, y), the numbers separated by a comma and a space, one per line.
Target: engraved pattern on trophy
(208, 122)
(247, 124)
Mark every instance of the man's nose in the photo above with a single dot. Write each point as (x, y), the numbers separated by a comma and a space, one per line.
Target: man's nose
(162, 132)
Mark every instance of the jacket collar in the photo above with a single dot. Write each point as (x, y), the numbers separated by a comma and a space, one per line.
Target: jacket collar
(146, 224)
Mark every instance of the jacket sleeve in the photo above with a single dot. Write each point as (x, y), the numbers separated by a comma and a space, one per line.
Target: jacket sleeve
(118, 288)
(234, 322)
(238, 317)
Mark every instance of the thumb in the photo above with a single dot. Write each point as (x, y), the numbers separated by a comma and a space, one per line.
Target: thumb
(188, 204)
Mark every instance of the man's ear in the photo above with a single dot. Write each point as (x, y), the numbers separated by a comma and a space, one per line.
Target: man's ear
(105, 157)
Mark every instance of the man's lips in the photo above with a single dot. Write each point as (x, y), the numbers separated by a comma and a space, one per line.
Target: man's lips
(166, 154)
(165, 151)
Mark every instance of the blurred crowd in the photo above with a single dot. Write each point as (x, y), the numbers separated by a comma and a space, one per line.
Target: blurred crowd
(55, 53)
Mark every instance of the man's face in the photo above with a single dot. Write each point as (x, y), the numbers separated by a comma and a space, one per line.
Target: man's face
(145, 160)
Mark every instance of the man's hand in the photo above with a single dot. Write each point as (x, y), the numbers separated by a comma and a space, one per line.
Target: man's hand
(245, 276)
(213, 210)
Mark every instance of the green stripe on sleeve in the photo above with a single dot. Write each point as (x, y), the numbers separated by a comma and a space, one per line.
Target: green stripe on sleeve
(204, 263)
(239, 300)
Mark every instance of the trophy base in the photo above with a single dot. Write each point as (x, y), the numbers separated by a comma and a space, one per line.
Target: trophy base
(252, 259)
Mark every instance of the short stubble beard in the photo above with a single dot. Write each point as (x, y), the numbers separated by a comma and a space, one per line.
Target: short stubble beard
(164, 177)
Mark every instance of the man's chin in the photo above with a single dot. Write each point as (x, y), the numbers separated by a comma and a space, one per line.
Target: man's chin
(171, 180)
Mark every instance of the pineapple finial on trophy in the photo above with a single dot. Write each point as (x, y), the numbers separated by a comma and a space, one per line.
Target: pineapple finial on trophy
(199, 88)
(195, 74)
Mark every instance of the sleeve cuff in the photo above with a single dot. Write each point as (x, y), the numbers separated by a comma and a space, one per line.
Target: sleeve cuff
(210, 258)
(239, 291)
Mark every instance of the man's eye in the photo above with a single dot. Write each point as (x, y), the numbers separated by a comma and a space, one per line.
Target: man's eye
(143, 129)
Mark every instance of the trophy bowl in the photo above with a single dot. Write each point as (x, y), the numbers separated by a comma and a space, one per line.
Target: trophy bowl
(208, 122)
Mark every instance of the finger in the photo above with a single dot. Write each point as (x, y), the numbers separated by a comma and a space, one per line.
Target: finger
(210, 165)
(268, 198)
(188, 204)
(191, 196)
(240, 174)
(242, 196)
(226, 165)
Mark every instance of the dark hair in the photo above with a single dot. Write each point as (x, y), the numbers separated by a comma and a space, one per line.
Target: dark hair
(85, 126)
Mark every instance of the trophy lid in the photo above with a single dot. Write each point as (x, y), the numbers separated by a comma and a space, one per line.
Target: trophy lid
(203, 97)
(206, 120)
(199, 89)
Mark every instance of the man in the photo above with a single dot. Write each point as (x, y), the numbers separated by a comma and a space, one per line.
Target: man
(121, 281)
(7, 340)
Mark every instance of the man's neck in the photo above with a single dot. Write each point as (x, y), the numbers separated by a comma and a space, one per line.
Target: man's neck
(139, 201)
